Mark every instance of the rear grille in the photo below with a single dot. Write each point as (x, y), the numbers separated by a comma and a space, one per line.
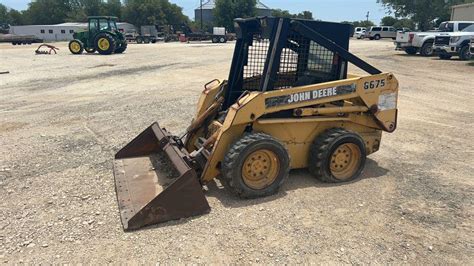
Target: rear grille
(442, 40)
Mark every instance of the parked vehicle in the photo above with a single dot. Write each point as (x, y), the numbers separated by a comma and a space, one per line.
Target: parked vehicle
(379, 32)
(359, 32)
(218, 35)
(147, 34)
(455, 43)
(102, 35)
(19, 39)
(472, 47)
(422, 42)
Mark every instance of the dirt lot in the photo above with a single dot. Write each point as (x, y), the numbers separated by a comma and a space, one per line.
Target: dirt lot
(63, 117)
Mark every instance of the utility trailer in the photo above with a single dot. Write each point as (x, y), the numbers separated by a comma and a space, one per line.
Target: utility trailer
(148, 34)
(218, 35)
(19, 39)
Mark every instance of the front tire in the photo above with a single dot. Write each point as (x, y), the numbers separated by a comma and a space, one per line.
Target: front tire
(465, 53)
(256, 166)
(337, 155)
(377, 37)
(76, 47)
(105, 44)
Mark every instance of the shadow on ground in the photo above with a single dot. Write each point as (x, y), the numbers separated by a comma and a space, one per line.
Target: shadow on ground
(298, 179)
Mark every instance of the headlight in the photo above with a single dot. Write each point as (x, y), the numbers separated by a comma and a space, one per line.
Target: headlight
(455, 39)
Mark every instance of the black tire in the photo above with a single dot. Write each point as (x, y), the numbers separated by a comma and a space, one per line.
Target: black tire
(112, 45)
(445, 56)
(139, 40)
(427, 49)
(465, 53)
(121, 48)
(90, 50)
(13, 43)
(322, 151)
(76, 47)
(377, 37)
(233, 164)
(411, 50)
(371, 38)
(215, 40)
(222, 40)
(146, 40)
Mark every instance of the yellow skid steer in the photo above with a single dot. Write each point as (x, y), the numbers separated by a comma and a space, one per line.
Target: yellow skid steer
(288, 103)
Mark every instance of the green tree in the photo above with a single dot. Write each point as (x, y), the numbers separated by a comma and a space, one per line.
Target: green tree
(287, 14)
(3, 14)
(153, 12)
(47, 12)
(389, 21)
(361, 23)
(228, 10)
(16, 17)
(422, 12)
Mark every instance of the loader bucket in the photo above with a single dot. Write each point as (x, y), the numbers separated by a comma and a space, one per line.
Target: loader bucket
(154, 181)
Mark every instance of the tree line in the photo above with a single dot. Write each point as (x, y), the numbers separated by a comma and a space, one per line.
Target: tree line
(138, 12)
(426, 14)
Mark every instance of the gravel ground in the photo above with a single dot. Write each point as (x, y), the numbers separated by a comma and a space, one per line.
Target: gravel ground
(63, 117)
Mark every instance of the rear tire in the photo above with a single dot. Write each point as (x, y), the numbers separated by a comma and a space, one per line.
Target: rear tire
(377, 37)
(465, 53)
(337, 155)
(427, 49)
(105, 44)
(411, 50)
(222, 40)
(256, 166)
(76, 47)
(146, 40)
(139, 40)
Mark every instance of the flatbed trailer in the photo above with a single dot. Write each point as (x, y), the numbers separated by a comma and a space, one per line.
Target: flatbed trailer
(19, 39)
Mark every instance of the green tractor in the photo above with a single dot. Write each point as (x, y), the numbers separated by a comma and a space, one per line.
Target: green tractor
(102, 36)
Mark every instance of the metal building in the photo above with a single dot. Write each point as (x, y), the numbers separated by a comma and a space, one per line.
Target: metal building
(208, 8)
(463, 12)
(60, 32)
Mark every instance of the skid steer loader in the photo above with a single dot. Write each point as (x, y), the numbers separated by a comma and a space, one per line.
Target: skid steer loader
(288, 103)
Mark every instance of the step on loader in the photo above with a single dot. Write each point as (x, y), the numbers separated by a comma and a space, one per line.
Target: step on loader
(288, 103)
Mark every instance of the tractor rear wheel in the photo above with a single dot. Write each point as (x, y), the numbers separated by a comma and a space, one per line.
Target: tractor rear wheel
(105, 44)
(90, 50)
(337, 156)
(121, 48)
(76, 47)
(256, 166)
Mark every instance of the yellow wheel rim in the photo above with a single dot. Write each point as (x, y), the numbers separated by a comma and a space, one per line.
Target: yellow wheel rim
(345, 161)
(104, 44)
(260, 169)
(75, 47)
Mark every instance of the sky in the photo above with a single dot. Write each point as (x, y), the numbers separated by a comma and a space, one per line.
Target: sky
(329, 10)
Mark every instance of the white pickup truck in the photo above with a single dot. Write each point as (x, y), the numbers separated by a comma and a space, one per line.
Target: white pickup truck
(422, 42)
(472, 46)
(450, 44)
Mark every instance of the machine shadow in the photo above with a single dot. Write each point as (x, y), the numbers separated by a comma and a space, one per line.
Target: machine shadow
(298, 179)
